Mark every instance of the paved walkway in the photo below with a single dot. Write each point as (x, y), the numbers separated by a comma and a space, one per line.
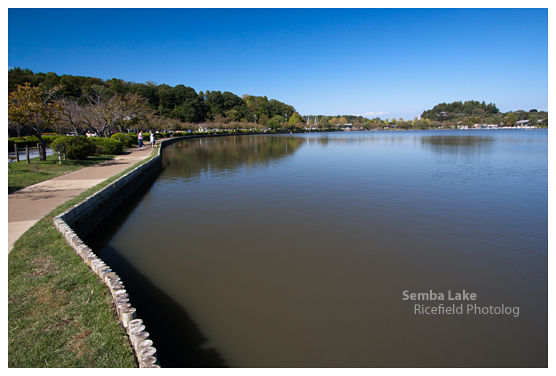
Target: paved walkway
(26, 206)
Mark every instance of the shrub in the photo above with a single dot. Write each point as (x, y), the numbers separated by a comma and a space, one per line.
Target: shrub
(21, 143)
(128, 139)
(108, 145)
(159, 135)
(32, 139)
(49, 139)
(133, 136)
(77, 147)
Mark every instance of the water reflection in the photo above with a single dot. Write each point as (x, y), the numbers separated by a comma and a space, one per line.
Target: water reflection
(460, 144)
(224, 155)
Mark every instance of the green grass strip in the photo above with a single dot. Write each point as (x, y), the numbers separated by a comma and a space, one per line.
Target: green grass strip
(60, 314)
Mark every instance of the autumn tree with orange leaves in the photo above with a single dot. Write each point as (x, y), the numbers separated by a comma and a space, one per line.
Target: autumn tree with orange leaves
(34, 109)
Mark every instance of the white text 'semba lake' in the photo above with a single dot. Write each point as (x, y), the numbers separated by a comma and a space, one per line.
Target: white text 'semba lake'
(431, 295)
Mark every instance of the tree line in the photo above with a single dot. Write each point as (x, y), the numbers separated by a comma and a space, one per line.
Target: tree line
(177, 104)
(76, 104)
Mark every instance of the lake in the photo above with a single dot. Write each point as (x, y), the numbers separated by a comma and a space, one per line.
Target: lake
(304, 250)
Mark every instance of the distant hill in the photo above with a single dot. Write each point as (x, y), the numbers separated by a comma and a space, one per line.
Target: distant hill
(448, 111)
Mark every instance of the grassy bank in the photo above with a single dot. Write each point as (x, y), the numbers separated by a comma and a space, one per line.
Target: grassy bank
(21, 174)
(59, 312)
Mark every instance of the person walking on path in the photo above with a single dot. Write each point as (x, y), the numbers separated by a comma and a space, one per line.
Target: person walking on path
(140, 139)
(152, 140)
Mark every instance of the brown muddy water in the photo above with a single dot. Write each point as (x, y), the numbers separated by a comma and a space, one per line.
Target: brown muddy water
(305, 250)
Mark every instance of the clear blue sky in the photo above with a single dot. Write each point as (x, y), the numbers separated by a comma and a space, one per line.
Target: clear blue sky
(371, 62)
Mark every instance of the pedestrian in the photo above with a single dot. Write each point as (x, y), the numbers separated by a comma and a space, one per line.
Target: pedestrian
(140, 139)
(152, 140)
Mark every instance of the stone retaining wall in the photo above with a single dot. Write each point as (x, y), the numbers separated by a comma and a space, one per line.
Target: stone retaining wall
(82, 219)
(88, 214)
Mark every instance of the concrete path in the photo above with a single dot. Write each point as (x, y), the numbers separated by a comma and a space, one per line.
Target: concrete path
(26, 206)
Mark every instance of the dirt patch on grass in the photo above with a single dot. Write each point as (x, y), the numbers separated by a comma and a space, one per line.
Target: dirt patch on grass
(59, 324)
(79, 343)
(42, 266)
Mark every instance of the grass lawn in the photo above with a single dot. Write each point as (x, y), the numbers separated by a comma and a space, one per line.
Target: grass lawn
(60, 314)
(21, 174)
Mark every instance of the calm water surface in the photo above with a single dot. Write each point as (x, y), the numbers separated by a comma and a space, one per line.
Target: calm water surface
(296, 250)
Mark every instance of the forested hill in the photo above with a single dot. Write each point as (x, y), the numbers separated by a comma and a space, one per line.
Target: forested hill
(446, 111)
(179, 102)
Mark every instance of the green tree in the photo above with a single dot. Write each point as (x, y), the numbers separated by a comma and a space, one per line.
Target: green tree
(18, 76)
(533, 120)
(262, 120)
(295, 118)
(510, 120)
(233, 115)
(274, 123)
(323, 122)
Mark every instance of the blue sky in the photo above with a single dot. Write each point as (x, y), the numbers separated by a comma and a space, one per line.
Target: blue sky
(372, 62)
